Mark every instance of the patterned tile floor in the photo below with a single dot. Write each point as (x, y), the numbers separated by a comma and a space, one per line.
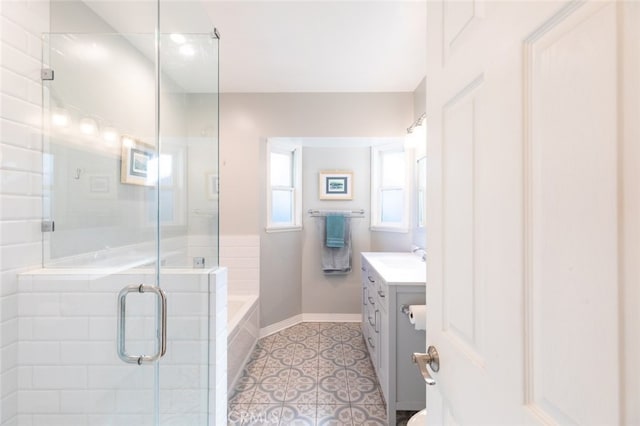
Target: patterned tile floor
(309, 374)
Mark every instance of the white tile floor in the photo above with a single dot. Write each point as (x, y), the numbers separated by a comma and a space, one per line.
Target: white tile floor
(309, 374)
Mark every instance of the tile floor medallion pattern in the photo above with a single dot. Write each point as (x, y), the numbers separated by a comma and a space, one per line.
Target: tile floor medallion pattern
(309, 374)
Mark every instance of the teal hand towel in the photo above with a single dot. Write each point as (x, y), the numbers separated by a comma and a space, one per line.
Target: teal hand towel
(335, 231)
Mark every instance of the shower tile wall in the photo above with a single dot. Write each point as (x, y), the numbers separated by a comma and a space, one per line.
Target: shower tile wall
(22, 24)
(69, 371)
(241, 255)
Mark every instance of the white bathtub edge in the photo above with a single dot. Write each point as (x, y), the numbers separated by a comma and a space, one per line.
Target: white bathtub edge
(239, 330)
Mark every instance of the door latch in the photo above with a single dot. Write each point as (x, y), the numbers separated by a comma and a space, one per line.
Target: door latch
(430, 359)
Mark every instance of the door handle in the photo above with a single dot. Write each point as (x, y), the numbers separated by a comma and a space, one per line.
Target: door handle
(122, 321)
(430, 359)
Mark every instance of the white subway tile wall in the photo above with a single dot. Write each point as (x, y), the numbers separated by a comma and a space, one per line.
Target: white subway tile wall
(240, 254)
(22, 24)
(63, 326)
(69, 369)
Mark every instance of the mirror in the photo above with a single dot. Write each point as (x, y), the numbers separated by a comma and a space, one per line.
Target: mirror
(421, 186)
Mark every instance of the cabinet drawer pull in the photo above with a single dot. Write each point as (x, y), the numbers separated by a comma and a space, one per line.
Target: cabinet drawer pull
(371, 280)
(381, 293)
(364, 296)
(370, 344)
(376, 314)
(371, 300)
(372, 323)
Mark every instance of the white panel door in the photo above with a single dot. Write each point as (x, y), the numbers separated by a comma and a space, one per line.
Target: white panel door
(533, 197)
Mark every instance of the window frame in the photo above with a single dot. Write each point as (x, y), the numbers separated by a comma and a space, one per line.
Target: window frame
(377, 153)
(295, 150)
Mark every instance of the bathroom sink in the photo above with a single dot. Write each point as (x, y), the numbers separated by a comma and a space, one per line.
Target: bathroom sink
(401, 262)
(398, 267)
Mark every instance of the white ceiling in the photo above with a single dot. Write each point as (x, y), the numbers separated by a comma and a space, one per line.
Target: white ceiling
(298, 45)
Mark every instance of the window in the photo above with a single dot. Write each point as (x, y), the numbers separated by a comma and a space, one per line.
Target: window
(284, 179)
(389, 201)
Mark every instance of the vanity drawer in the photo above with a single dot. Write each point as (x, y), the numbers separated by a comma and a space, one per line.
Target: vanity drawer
(382, 292)
(370, 315)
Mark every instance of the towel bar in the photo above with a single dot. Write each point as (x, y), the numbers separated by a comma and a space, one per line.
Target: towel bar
(347, 213)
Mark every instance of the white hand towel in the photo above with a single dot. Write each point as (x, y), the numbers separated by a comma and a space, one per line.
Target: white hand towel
(418, 316)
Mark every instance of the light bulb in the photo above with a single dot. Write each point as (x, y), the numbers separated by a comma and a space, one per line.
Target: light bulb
(60, 118)
(109, 134)
(88, 126)
(128, 142)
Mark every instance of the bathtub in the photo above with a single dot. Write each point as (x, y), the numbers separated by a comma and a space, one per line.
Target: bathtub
(243, 330)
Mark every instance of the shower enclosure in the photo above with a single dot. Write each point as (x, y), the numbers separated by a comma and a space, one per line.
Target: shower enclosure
(125, 323)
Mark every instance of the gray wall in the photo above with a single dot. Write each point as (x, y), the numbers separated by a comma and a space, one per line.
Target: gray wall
(246, 121)
(328, 293)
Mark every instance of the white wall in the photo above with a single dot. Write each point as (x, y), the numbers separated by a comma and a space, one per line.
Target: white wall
(246, 121)
(22, 23)
(419, 235)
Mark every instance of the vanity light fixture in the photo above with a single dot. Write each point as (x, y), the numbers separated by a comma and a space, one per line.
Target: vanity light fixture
(127, 142)
(60, 118)
(88, 126)
(417, 123)
(416, 133)
(109, 134)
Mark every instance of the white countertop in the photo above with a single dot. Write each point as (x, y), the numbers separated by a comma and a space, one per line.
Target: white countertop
(398, 267)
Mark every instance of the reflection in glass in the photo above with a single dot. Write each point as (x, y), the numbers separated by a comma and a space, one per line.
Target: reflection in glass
(93, 113)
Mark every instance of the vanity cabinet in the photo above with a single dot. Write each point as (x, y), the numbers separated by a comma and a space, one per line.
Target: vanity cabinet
(390, 280)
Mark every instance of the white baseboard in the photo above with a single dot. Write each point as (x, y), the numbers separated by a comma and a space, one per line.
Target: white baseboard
(296, 319)
(331, 317)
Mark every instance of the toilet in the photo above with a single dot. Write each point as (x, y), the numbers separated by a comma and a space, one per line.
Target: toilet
(418, 419)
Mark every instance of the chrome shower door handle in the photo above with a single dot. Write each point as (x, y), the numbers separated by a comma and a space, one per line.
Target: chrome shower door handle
(122, 321)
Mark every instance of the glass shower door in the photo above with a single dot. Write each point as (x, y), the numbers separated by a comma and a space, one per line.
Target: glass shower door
(188, 224)
(119, 228)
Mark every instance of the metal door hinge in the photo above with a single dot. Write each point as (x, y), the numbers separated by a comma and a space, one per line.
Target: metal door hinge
(48, 226)
(46, 74)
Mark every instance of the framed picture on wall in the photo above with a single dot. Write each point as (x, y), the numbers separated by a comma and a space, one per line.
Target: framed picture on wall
(336, 185)
(136, 162)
